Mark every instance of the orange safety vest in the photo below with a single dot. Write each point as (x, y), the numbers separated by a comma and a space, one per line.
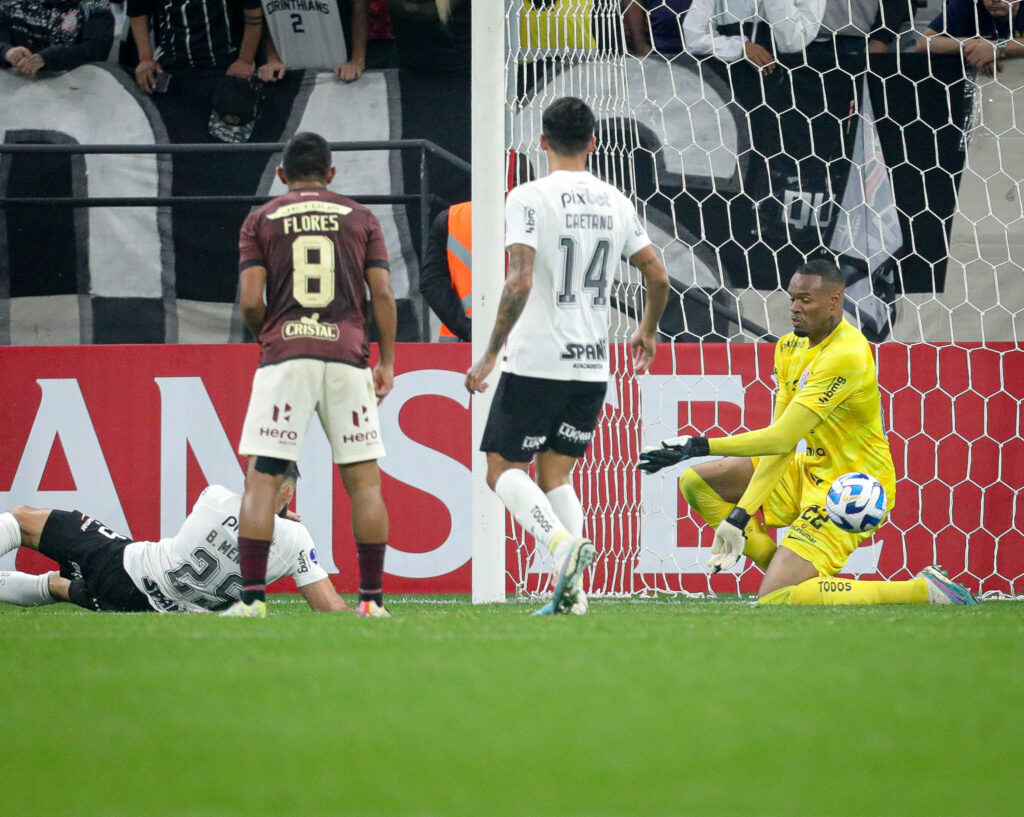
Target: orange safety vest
(460, 258)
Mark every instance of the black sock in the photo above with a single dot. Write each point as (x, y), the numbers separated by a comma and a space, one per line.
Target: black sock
(371, 571)
(252, 561)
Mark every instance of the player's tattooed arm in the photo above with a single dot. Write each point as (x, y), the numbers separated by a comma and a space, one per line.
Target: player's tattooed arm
(513, 299)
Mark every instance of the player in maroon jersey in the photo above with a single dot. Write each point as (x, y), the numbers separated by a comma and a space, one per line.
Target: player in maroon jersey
(315, 252)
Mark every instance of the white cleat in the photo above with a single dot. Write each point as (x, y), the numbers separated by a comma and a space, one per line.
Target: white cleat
(942, 589)
(569, 567)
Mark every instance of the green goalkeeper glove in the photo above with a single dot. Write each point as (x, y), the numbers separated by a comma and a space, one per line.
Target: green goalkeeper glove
(673, 450)
(729, 541)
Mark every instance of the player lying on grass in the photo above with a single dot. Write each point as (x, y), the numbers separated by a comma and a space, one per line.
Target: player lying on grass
(827, 393)
(195, 570)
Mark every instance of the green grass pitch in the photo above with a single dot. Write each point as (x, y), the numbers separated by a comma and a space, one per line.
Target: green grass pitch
(669, 707)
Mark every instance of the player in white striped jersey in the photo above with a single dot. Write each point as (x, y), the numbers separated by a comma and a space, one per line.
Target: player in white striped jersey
(564, 234)
(196, 570)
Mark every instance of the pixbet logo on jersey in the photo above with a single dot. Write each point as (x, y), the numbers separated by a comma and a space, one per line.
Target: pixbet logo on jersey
(586, 197)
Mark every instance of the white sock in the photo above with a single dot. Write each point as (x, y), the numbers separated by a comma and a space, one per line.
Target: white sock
(524, 498)
(10, 533)
(25, 589)
(569, 509)
(567, 506)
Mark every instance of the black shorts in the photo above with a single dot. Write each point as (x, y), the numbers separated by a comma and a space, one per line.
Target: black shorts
(533, 414)
(91, 556)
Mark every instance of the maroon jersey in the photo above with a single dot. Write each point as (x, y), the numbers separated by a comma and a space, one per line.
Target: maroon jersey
(316, 247)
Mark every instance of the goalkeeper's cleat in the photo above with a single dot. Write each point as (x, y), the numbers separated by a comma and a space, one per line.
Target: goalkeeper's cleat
(569, 567)
(257, 609)
(942, 589)
(368, 608)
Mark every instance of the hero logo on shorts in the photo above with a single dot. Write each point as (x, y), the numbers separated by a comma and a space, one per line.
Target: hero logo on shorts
(534, 443)
(310, 328)
(361, 437)
(575, 435)
(284, 435)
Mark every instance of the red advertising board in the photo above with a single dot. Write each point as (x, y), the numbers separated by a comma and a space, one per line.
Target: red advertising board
(133, 433)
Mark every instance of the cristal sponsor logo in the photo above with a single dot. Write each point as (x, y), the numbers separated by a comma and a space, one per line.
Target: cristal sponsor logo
(540, 519)
(279, 434)
(534, 443)
(282, 414)
(573, 434)
(834, 386)
(361, 437)
(585, 351)
(585, 197)
(531, 219)
(310, 328)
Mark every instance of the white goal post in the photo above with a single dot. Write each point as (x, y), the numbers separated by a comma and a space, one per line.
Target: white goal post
(901, 168)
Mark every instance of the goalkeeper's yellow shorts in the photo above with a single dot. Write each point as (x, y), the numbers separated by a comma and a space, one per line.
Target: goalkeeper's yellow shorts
(799, 502)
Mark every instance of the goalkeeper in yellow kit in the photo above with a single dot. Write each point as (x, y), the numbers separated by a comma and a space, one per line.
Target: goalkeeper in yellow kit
(827, 395)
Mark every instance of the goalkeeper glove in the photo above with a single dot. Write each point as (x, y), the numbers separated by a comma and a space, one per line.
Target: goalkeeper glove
(729, 540)
(673, 450)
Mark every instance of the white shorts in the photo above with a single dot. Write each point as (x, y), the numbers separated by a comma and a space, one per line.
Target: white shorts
(284, 397)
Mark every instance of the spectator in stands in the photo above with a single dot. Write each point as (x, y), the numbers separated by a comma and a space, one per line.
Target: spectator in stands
(192, 34)
(447, 271)
(985, 31)
(380, 37)
(432, 36)
(654, 25)
(859, 26)
(792, 25)
(57, 35)
(331, 38)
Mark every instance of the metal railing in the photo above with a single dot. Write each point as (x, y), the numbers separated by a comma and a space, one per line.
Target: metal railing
(425, 198)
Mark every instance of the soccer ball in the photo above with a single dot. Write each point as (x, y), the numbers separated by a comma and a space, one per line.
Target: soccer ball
(856, 502)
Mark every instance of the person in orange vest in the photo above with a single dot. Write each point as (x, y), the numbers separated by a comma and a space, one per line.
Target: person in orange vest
(447, 272)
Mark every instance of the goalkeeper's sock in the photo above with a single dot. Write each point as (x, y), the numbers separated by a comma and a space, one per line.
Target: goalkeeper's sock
(567, 507)
(834, 590)
(760, 547)
(252, 562)
(531, 509)
(371, 571)
(10, 533)
(703, 498)
(25, 589)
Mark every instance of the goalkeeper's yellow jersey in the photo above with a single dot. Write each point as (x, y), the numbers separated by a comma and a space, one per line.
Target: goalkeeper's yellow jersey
(837, 380)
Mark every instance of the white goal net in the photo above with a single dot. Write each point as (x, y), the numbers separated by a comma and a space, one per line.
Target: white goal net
(902, 169)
